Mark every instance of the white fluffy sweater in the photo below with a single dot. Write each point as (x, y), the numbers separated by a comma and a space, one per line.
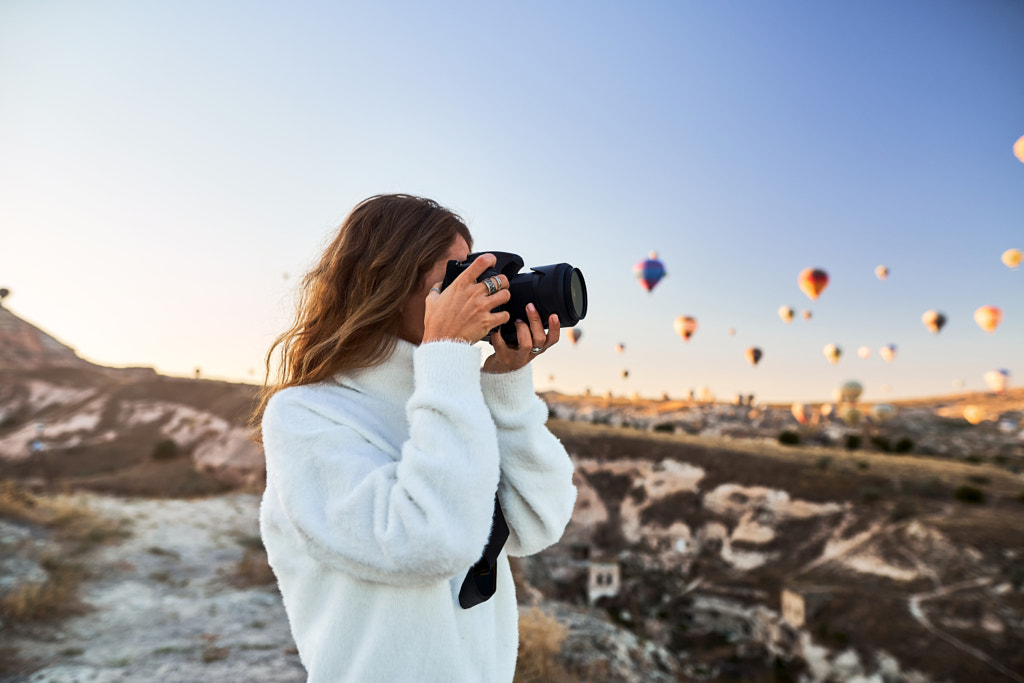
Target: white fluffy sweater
(380, 491)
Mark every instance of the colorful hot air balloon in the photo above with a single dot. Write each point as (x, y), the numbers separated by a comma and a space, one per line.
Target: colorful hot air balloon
(832, 352)
(685, 326)
(620, 348)
(649, 271)
(864, 352)
(1018, 148)
(753, 355)
(850, 391)
(786, 313)
(881, 272)
(997, 380)
(812, 281)
(574, 334)
(1013, 257)
(934, 321)
(799, 411)
(806, 314)
(888, 352)
(988, 317)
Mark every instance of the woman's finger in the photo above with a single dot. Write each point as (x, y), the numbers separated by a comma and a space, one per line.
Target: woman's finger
(554, 329)
(475, 269)
(536, 327)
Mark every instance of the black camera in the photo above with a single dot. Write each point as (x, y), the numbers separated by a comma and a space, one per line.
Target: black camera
(558, 288)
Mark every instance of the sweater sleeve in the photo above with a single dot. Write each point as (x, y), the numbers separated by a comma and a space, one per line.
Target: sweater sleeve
(359, 509)
(536, 490)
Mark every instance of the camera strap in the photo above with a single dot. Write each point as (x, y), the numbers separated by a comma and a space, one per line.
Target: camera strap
(482, 579)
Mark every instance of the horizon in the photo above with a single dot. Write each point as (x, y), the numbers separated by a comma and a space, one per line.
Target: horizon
(167, 174)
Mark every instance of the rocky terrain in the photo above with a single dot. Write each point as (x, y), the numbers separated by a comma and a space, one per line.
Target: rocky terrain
(860, 550)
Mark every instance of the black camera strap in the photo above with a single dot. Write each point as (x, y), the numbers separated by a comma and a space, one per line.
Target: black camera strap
(482, 578)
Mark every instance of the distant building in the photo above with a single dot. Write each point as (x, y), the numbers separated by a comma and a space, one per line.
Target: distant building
(604, 580)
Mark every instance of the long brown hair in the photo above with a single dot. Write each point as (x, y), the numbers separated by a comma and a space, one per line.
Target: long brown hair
(349, 309)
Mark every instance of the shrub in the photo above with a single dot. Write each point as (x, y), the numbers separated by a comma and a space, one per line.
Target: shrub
(540, 642)
(167, 449)
(969, 494)
(1021, 497)
(870, 494)
(863, 464)
(667, 427)
(881, 443)
(902, 510)
(852, 442)
(904, 445)
(974, 459)
(824, 462)
(789, 437)
(979, 479)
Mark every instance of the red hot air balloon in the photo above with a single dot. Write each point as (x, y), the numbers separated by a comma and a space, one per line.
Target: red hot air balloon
(649, 271)
(988, 318)
(812, 281)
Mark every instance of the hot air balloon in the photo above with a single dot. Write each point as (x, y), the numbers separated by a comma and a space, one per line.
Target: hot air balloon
(625, 374)
(850, 415)
(649, 271)
(973, 414)
(888, 352)
(958, 384)
(753, 355)
(685, 326)
(883, 412)
(799, 412)
(988, 317)
(864, 352)
(881, 272)
(934, 321)
(832, 352)
(850, 391)
(732, 331)
(574, 334)
(997, 380)
(806, 314)
(786, 313)
(1013, 257)
(620, 348)
(4, 293)
(812, 281)
(1018, 148)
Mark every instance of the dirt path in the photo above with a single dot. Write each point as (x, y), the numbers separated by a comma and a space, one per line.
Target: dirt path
(165, 606)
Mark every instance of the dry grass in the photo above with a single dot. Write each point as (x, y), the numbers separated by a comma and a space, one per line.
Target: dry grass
(75, 531)
(540, 642)
(254, 568)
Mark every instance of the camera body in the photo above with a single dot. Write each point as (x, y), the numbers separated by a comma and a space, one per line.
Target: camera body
(558, 288)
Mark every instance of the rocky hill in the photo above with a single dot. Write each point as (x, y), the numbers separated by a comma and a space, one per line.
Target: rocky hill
(127, 430)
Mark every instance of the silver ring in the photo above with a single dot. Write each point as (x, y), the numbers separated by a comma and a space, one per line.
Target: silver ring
(435, 289)
(535, 350)
(493, 285)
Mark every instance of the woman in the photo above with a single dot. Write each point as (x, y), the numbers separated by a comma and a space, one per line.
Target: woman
(386, 444)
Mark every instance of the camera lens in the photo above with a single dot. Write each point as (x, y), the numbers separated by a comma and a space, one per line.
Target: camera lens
(577, 294)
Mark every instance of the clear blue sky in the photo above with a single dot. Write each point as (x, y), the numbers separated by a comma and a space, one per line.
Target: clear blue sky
(163, 165)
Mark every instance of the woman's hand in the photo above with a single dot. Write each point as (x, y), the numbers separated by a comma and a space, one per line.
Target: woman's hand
(533, 341)
(463, 309)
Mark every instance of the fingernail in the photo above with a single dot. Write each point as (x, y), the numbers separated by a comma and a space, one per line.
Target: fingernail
(531, 308)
